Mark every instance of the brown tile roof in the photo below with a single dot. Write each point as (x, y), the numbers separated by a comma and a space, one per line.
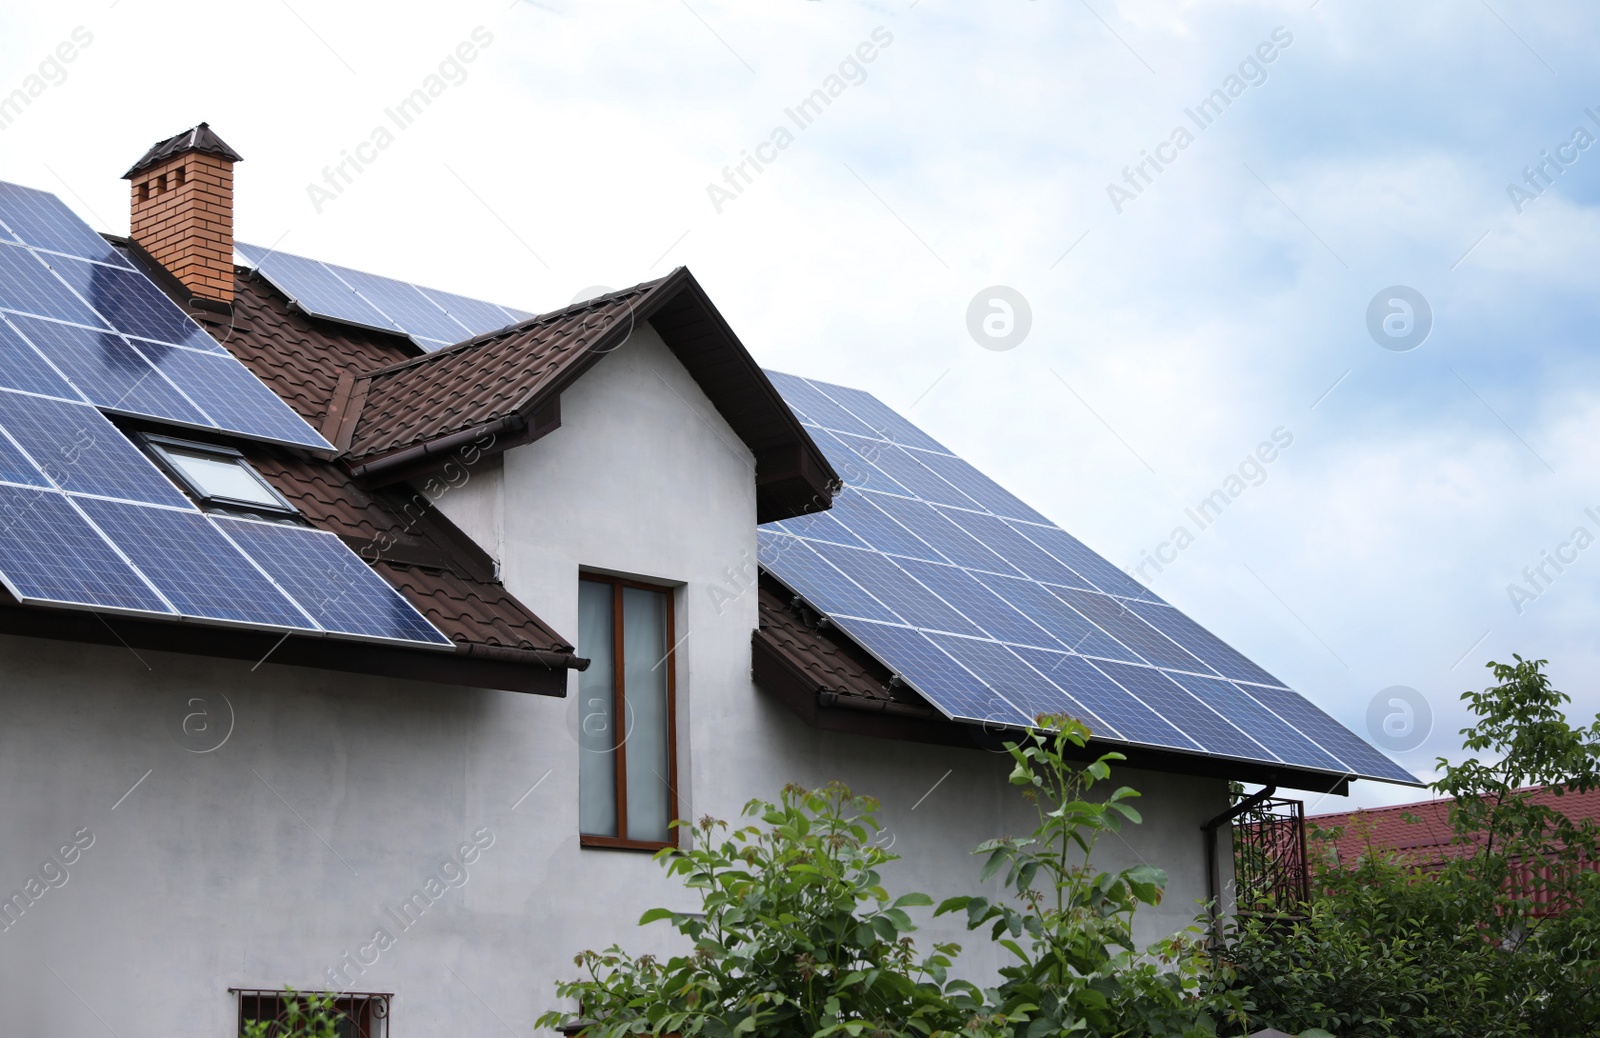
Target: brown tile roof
(822, 658)
(508, 383)
(300, 358)
(484, 379)
(415, 548)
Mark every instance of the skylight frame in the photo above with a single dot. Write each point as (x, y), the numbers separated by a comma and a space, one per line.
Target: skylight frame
(160, 447)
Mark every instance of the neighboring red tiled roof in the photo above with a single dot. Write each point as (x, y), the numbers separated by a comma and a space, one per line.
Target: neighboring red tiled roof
(432, 563)
(487, 378)
(1426, 841)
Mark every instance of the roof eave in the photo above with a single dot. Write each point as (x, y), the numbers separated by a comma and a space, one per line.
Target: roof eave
(793, 476)
(537, 672)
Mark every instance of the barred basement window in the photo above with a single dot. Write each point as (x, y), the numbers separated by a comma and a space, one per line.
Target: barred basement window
(627, 762)
(359, 1014)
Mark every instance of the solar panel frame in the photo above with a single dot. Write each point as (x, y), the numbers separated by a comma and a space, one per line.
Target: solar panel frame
(1195, 639)
(1003, 672)
(1070, 628)
(16, 466)
(1134, 721)
(985, 492)
(1333, 737)
(476, 315)
(1099, 574)
(859, 513)
(1024, 555)
(991, 614)
(1113, 615)
(818, 407)
(131, 303)
(918, 480)
(884, 421)
(430, 317)
(914, 603)
(1215, 733)
(948, 540)
(1286, 742)
(315, 288)
(821, 584)
(855, 470)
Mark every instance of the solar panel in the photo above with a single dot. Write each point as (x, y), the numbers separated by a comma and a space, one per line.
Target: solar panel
(433, 319)
(86, 519)
(193, 566)
(105, 369)
(66, 549)
(79, 450)
(50, 553)
(85, 315)
(132, 304)
(28, 286)
(40, 219)
(233, 397)
(996, 615)
(330, 583)
(407, 307)
(23, 367)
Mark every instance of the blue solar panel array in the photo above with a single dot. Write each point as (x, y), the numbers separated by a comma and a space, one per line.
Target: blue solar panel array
(79, 323)
(996, 615)
(87, 520)
(433, 319)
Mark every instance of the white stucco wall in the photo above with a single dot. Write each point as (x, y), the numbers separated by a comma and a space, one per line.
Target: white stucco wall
(267, 860)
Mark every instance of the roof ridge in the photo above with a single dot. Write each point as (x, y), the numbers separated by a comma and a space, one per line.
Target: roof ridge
(1416, 804)
(519, 327)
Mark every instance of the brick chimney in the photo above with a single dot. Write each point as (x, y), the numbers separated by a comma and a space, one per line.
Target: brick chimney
(183, 211)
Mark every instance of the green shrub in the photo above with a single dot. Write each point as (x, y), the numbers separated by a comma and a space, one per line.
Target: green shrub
(798, 937)
(1388, 948)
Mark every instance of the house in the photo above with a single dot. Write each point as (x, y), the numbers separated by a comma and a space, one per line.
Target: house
(1420, 834)
(364, 638)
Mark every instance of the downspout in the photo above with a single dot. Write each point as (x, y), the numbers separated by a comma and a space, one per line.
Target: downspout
(1210, 829)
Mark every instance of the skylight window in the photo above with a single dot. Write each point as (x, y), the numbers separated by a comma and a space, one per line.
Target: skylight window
(217, 475)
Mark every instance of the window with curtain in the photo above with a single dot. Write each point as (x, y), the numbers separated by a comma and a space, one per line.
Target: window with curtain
(627, 773)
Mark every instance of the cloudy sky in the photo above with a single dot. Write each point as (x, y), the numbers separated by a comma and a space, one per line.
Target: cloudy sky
(1181, 313)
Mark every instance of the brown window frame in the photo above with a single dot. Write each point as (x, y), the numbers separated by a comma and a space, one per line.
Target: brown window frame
(619, 710)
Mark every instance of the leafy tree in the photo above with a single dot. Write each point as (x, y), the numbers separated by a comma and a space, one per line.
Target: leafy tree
(1502, 939)
(1070, 925)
